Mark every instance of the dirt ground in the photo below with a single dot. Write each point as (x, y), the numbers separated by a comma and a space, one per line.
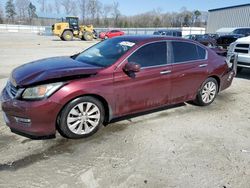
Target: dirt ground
(183, 146)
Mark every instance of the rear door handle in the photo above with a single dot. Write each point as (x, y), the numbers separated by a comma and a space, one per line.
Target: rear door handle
(166, 72)
(202, 65)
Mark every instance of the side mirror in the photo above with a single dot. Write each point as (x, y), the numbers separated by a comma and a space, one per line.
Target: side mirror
(132, 67)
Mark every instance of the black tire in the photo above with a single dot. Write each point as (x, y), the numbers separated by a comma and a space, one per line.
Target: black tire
(95, 34)
(88, 36)
(211, 95)
(67, 35)
(63, 125)
(62, 38)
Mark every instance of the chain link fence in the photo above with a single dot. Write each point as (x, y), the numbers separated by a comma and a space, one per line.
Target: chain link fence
(46, 30)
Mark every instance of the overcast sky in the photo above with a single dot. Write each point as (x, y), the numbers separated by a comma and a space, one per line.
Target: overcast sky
(132, 7)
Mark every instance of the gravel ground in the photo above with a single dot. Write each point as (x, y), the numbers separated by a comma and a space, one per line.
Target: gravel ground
(182, 146)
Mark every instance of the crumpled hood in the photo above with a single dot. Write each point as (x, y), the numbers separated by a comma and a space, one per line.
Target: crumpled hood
(50, 69)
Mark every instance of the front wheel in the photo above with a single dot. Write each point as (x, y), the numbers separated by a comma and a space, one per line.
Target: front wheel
(81, 118)
(88, 36)
(62, 38)
(207, 93)
(67, 36)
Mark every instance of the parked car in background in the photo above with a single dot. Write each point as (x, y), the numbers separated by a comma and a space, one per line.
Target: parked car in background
(208, 40)
(242, 48)
(220, 51)
(212, 35)
(205, 39)
(169, 32)
(111, 34)
(116, 77)
(225, 40)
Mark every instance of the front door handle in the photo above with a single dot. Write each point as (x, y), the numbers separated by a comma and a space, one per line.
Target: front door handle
(202, 65)
(166, 72)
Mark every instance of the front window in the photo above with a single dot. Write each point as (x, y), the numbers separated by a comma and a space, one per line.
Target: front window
(72, 21)
(154, 54)
(105, 53)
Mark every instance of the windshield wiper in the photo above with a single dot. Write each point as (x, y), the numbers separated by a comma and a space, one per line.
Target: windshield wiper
(74, 56)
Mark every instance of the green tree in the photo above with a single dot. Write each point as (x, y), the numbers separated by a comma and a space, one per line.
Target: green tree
(32, 12)
(10, 10)
(187, 18)
(157, 22)
(197, 14)
(1, 15)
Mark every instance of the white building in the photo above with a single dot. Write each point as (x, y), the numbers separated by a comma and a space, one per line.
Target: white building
(234, 16)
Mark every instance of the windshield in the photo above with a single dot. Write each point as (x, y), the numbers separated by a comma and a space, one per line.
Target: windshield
(105, 53)
(201, 37)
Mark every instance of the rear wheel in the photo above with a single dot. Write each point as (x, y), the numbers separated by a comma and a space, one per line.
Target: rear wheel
(67, 35)
(81, 118)
(207, 93)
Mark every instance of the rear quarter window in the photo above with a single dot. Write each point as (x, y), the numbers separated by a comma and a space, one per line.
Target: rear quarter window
(185, 51)
(201, 52)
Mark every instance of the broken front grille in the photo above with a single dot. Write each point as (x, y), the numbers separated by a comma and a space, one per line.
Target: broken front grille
(12, 90)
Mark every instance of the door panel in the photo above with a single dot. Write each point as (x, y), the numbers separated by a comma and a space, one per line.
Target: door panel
(144, 90)
(189, 70)
(186, 79)
(148, 88)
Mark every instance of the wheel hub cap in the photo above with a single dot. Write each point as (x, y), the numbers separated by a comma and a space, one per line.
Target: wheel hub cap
(83, 118)
(208, 92)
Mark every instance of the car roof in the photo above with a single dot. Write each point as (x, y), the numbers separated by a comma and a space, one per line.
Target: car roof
(147, 38)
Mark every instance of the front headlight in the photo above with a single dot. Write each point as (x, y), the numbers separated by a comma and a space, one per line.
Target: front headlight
(41, 91)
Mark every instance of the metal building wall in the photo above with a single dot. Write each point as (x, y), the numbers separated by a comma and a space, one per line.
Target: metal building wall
(228, 17)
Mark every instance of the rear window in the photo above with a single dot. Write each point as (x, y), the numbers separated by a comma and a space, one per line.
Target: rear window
(184, 51)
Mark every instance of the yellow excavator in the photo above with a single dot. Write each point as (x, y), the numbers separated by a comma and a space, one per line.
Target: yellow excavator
(69, 28)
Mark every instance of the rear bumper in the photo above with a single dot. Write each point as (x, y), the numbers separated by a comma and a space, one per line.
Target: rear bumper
(33, 119)
(227, 79)
(230, 73)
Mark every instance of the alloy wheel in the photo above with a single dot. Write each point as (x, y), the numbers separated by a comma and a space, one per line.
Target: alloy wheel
(209, 92)
(83, 118)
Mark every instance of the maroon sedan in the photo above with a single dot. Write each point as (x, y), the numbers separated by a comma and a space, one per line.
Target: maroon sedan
(111, 34)
(114, 78)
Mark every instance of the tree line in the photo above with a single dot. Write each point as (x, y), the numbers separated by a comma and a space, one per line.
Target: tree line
(96, 13)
